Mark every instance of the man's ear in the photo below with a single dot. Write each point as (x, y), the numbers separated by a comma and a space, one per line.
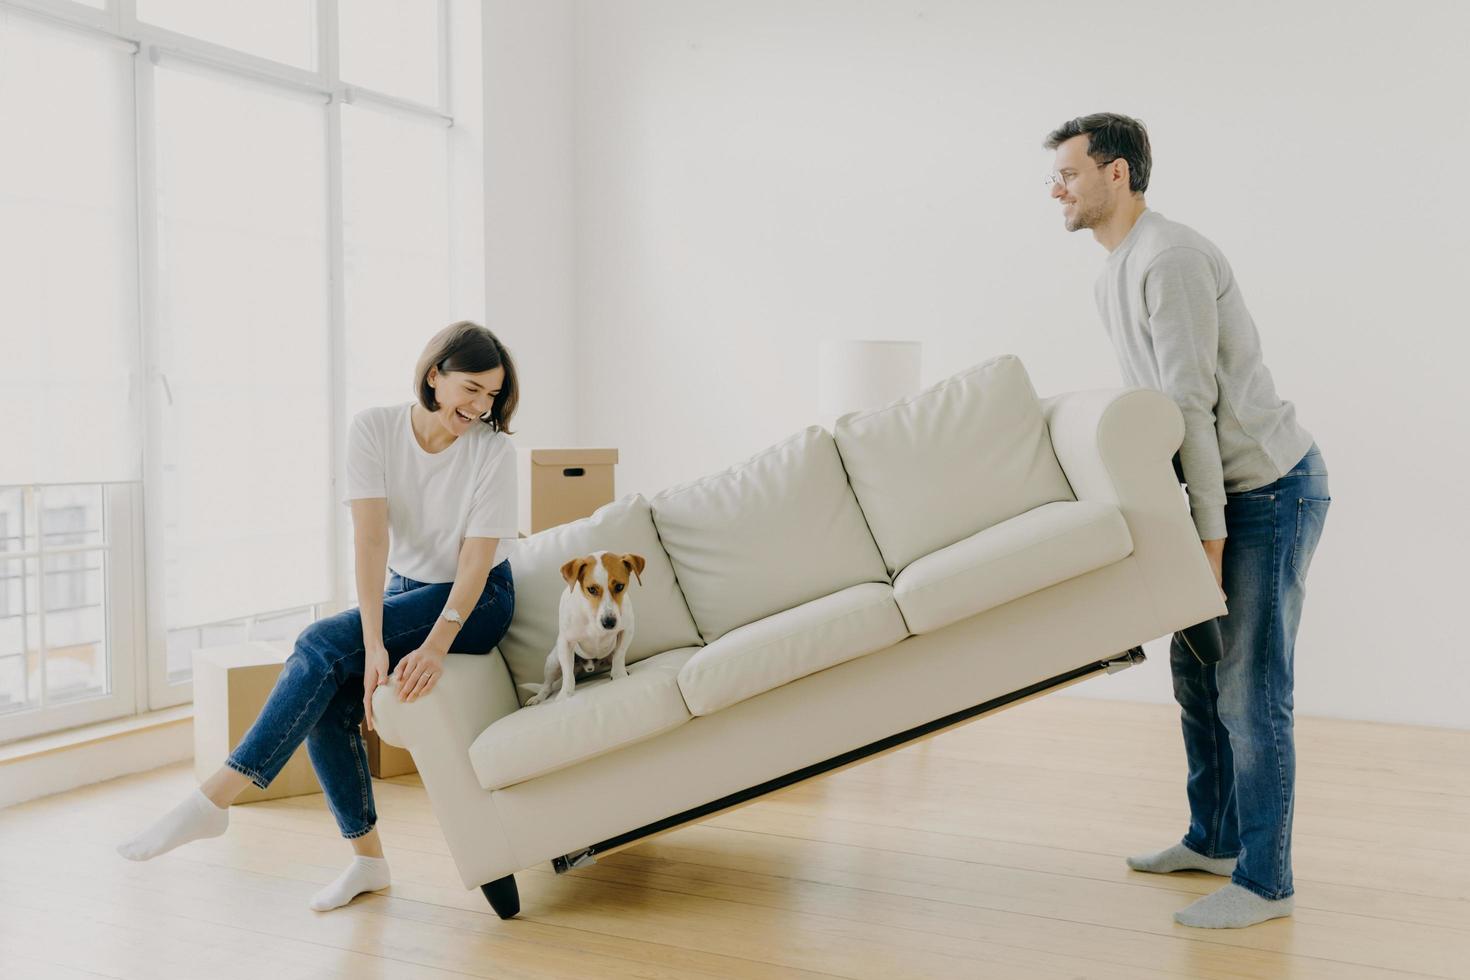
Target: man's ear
(1127, 172)
(574, 569)
(635, 564)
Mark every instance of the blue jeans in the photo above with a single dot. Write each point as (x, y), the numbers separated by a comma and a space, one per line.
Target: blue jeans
(318, 696)
(1237, 714)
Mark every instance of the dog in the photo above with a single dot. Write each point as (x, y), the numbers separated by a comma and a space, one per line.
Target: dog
(595, 619)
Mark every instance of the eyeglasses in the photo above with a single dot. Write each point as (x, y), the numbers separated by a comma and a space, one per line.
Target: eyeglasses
(1053, 179)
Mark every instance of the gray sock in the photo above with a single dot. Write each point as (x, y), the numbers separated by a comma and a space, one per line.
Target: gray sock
(1233, 907)
(1181, 858)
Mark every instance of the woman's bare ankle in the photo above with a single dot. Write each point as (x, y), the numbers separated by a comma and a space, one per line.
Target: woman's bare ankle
(368, 845)
(224, 785)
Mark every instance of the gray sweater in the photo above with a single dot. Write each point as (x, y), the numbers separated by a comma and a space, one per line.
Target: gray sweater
(1179, 325)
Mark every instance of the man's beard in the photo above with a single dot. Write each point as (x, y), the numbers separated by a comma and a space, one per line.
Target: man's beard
(1089, 218)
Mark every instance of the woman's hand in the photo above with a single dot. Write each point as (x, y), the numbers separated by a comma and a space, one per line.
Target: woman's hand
(418, 672)
(374, 675)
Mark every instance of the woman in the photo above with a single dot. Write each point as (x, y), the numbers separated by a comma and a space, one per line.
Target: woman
(432, 486)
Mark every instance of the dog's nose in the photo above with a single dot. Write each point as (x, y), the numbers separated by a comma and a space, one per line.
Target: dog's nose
(608, 622)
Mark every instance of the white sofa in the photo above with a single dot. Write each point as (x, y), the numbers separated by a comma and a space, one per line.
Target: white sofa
(827, 600)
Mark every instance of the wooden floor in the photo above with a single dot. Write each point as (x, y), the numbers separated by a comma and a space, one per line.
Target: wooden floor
(992, 851)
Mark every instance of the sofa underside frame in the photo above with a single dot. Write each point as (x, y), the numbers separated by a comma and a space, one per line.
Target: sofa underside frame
(892, 743)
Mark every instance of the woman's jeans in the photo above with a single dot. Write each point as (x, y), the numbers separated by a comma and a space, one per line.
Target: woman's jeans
(318, 696)
(1237, 714)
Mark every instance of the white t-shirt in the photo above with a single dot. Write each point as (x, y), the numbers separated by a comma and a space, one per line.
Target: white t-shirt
(435, 500)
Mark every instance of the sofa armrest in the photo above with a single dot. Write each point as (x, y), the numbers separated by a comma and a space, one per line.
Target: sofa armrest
(474, 692)
(1100, 434)
(437, 730)
(1118, 445)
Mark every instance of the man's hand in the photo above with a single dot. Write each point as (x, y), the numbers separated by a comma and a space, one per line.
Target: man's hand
(1215, 552)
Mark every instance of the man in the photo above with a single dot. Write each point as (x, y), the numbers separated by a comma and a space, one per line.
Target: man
(1258, 495)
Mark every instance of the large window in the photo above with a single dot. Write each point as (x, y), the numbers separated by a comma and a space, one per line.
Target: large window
(223, 229)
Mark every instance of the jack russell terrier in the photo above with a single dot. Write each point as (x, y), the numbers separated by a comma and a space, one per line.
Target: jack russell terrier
(595, 620)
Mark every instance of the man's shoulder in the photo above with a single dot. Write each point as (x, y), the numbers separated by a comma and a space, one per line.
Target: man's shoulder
(1161, 238)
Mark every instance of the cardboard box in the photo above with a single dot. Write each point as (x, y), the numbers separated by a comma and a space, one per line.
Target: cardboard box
(561, 485)
(231, 684)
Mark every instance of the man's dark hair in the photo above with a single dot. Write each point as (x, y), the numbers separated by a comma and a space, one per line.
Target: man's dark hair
(1109, 137)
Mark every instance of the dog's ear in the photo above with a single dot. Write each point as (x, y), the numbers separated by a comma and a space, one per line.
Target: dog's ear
(635, 564)
(574, 569)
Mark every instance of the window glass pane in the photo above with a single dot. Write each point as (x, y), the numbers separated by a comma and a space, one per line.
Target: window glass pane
(391, 46)
(71, 516)
(278, 627)
(16, 691)
(243, 340)
(395, 206)
(281, 30)
(68, 259)
(72, 591)
(64, 590)
(14, 535)
(76, 646)
(281, 627)
(20, 637)
(183, 642)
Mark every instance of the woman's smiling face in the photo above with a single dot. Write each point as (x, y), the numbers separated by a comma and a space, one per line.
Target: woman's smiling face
(464, 397)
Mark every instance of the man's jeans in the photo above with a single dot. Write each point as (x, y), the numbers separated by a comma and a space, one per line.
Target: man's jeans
(1237, 714)
(318, 696)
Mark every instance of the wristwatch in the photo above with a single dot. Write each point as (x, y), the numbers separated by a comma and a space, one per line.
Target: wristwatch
(452, 615)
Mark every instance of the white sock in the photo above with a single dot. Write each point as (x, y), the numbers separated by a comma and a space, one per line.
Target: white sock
(364, 874)
(195, 818)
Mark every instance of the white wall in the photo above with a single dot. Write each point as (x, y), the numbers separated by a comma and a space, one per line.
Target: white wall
(755, 177)
(529, 208)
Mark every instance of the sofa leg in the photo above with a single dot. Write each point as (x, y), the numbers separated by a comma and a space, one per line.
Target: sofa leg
(1128, 658)
(503, 896)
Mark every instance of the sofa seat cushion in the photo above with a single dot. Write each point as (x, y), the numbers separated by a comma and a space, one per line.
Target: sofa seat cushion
(776, 650)
(954, 459)
(662, 618)
(601, 716)
(1025, 554)
(766, 535)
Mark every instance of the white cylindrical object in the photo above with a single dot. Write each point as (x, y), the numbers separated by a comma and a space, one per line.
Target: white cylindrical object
(862, 374)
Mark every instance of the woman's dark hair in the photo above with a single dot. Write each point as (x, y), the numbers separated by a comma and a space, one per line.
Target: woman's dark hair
(469, 347)
(1109, 137)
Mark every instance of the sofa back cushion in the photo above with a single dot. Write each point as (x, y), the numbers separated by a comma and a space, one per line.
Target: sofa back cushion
(661, 619)
(766, 535)
(954, 459)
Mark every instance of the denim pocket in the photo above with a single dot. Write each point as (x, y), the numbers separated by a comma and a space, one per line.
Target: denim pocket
(1311, 516)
